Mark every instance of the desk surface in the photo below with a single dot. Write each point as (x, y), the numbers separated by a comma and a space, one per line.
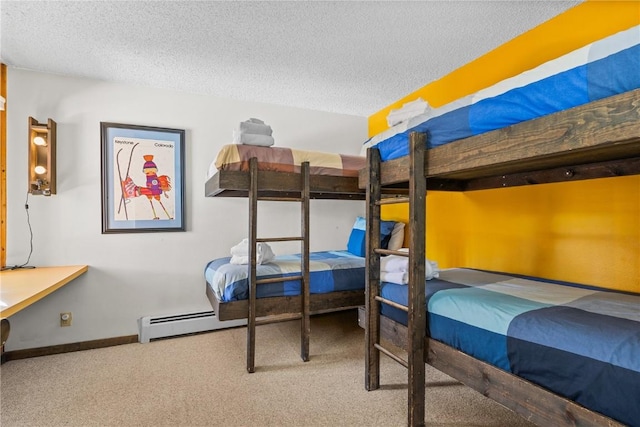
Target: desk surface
(22, 287)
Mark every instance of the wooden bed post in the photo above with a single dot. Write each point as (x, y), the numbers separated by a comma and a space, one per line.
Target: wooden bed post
(305, 322)
(372, 281)
(253, 236)
(417, 255)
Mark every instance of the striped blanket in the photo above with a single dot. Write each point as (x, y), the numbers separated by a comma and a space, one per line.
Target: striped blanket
(281, 159)
(580, 342)
(330, 271)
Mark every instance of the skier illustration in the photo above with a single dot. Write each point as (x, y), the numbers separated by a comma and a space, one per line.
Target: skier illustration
(155, 186)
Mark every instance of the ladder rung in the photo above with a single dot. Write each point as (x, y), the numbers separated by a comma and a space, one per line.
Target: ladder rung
(278, 318)
(278, 279)
(393, 200)
(390, 252)
(392, 355)
(389, 192)
(279, 239)
(280, 199)
(392, 304)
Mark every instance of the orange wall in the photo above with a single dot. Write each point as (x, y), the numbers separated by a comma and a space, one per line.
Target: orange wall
(587, 231)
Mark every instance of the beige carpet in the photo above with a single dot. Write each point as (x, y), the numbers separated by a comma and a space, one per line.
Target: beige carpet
(201, 380)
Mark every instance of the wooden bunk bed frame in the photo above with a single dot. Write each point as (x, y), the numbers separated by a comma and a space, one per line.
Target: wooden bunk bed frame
(598, 139)
(226, 183)
(288, 187)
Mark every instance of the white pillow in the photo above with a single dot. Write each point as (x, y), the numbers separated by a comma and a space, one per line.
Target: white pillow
(397, 237)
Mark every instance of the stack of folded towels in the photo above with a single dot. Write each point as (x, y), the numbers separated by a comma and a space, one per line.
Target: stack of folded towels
(395, 269)
(240, 253)
(253, 132)
(408, 111)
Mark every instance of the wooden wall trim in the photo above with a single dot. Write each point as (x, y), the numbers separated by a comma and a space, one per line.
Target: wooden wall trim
(67, 348)
(3, 168)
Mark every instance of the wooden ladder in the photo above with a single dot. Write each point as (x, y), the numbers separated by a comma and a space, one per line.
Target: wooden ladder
(415, 345)
(303, 315)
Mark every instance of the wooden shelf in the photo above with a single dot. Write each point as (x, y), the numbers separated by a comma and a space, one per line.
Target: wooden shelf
(22, 287)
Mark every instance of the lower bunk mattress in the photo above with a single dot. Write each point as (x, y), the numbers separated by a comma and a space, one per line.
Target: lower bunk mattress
(329, 271)
(580, 342)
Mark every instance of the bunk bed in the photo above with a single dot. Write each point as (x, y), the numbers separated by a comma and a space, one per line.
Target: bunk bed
(332, 176)
(336, 281)
(287, 175)
(593, 139)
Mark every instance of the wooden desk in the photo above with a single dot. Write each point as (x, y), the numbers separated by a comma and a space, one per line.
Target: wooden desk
(22, 287)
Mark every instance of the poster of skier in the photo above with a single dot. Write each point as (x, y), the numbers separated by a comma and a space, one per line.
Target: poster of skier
(142, 178)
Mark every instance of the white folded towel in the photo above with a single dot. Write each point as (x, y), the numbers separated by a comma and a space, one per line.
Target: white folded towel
(252, 139)
(255, 127)
(240, 253)
(431, 270)
(394, 263)
(395, 269)
(408, 111)
(397, 277)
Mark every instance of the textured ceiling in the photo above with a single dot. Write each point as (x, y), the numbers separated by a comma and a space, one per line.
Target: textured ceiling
(351, 57)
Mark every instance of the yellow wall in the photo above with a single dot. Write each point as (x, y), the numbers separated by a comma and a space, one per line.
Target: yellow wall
(587, 231)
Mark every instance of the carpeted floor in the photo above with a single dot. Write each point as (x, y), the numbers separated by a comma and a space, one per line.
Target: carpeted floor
(201, 380)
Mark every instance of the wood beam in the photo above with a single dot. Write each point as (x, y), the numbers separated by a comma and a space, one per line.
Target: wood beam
(3, 168)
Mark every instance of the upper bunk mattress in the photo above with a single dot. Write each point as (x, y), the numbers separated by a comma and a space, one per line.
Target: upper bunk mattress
(329, 271)
(580, 342)
(601, 69)
(236, 157)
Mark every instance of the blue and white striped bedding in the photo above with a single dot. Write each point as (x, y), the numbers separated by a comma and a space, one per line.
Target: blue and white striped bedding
(601, 69)
(330, 271)
(580, 342)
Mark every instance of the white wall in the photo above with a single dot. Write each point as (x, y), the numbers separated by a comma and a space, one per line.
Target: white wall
(140, 274)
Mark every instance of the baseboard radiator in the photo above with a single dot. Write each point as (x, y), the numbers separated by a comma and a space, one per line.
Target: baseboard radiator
(154, 327)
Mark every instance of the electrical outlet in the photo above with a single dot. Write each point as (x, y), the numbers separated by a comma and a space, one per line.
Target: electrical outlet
(65, 319)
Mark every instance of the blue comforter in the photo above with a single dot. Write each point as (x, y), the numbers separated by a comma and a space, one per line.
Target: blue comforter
(580, 342)
(330, 271)
(593, 74)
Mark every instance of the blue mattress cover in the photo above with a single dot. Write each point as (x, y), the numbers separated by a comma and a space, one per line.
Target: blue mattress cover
(330, 271)
(596, 78)
(580, 342)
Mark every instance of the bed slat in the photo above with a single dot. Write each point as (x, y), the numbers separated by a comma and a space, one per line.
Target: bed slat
(318, 303)
(283, 185)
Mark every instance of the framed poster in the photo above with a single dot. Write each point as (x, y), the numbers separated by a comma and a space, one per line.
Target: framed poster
(142, 178)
